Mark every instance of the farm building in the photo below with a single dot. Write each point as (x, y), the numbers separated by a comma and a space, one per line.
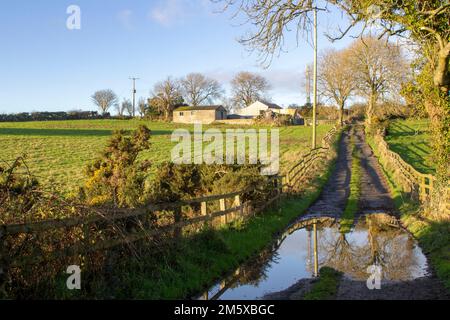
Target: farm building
(201, 114)
(266, 109)
(257, 108)
(297, 119)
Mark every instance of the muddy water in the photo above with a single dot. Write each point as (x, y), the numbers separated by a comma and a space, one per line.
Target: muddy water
(376, 239)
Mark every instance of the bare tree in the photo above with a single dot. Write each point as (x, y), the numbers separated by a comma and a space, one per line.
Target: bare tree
(270, 20)
(335, 78)
(247, 88)
(166, 96)
(119, 108)
(423, 21)
(142, 107)
(228, 104)
(379, 69)
(127, 107)
(104, 99)
(198, 89)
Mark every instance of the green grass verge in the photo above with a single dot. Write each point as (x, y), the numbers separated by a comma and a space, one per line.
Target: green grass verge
(348, 216)
(433, 236)
(326, 286)
(193, 264)
(411, 139)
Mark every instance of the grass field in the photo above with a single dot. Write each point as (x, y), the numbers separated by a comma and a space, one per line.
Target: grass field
(58, 151)
(411, 139)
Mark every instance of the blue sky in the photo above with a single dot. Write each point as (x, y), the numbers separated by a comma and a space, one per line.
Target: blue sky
(45, 66)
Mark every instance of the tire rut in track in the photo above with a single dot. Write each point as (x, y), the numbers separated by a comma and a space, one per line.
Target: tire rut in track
(375, 195)
(333, 198)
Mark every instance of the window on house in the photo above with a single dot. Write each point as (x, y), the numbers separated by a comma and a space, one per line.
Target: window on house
(181, 114)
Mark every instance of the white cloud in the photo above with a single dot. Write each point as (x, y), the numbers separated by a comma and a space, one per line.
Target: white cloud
(167, 12)
(124, 17)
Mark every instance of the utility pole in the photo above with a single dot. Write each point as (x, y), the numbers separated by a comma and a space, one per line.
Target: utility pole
(314, 124)
(134, 95)
(308, 86)
(316, 253)
(316, 47)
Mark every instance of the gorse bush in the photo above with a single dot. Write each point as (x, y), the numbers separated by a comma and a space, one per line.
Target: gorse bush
(181, 182)
(248, 177)
(17, 192)
(22, 198)
(117, 178)
(188, 181)
(176, 182)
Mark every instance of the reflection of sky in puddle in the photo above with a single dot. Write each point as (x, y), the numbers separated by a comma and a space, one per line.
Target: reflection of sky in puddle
(369, 243)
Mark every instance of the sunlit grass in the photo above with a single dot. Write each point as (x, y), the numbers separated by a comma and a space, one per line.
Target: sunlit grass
(326, 286)
(411, 139)
(58, 151)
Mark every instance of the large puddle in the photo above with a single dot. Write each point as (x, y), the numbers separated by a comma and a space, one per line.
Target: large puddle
(376, 239)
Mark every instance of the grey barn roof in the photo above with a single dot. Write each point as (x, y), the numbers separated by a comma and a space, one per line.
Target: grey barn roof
(199, 108)
(271, 105)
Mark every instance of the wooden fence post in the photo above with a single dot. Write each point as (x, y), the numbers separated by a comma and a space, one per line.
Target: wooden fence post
(86, 234)
(204, 211)
(177, 214)
(280, 185)
(223, 218)
(237, 203)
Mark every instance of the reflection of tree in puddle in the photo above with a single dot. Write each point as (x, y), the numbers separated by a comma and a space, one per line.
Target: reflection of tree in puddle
(374, 241)
(256, 272)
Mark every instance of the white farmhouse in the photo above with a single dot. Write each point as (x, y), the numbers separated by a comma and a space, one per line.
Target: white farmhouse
(257, 108)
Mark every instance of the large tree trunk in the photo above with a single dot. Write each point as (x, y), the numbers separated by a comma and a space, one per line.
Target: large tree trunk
(439, 113)
(166, 115)
(371, 107)
(441, 74)
(341, 114)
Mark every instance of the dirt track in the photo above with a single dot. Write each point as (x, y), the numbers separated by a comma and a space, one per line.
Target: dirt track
(336, 191)
(375, 198)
